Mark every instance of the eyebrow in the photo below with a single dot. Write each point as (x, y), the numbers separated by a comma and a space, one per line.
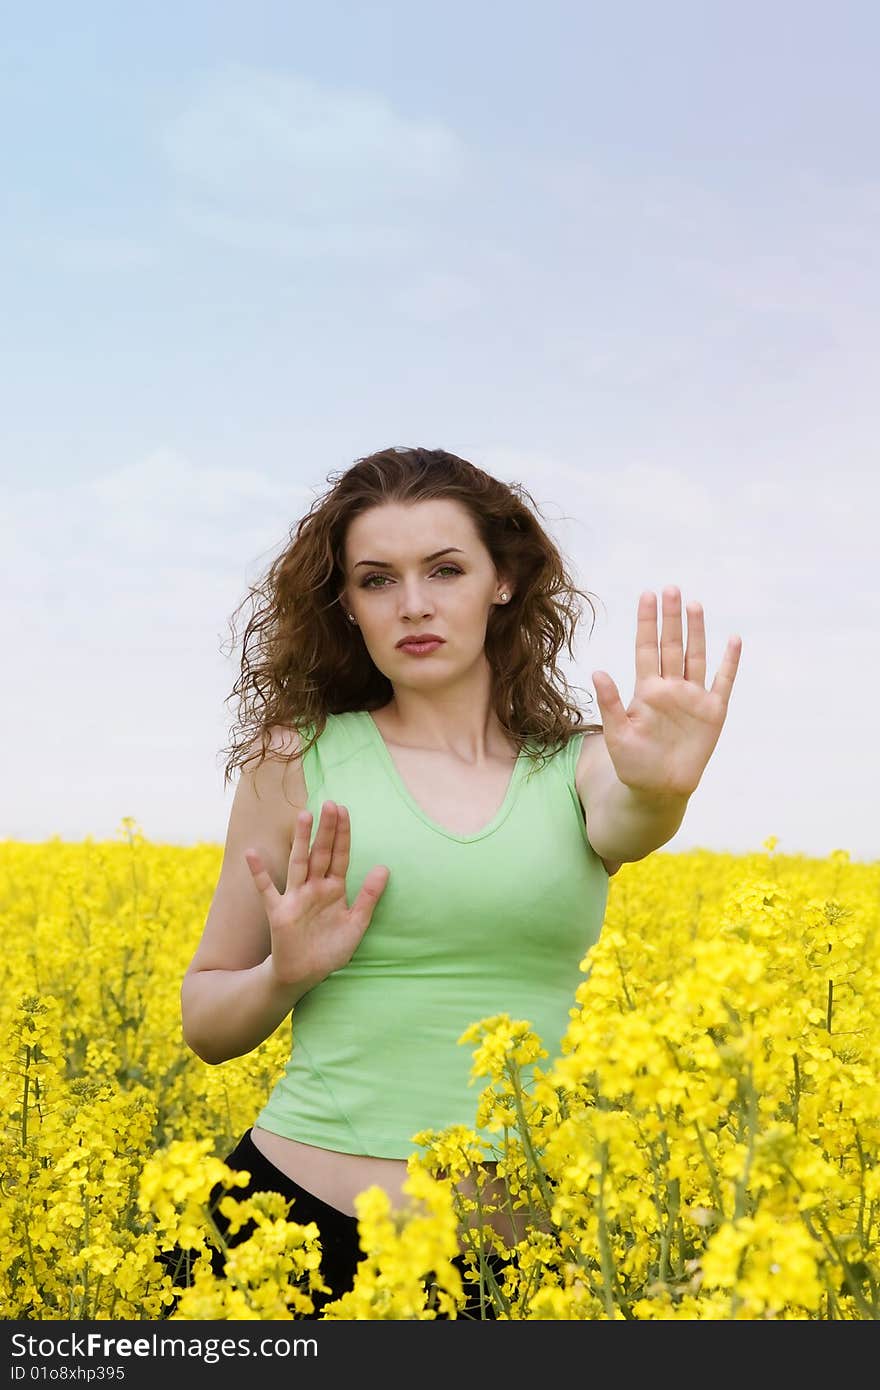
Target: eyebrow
(384, 565)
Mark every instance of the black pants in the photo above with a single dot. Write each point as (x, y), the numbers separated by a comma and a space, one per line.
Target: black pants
(341, 1249)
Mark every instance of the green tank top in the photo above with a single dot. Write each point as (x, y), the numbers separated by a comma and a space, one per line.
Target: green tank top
(468, 926)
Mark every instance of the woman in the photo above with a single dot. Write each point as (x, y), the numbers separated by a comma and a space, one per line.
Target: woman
(404, 694)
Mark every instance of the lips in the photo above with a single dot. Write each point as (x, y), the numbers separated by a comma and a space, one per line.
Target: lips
(420, 640)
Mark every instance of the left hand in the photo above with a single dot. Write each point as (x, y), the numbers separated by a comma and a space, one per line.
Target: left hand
(661, 743)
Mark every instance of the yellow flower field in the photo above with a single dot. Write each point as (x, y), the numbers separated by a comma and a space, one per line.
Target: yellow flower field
(707, 1146)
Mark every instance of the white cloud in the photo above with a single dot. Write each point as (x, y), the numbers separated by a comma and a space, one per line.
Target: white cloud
(246, 124)
(115, 594)
(356, 240)
(282, 163)
(157, 530)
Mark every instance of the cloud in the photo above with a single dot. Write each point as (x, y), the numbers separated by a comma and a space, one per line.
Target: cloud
(275, 237)
(161, 534)
(791, 549)
(277, 163)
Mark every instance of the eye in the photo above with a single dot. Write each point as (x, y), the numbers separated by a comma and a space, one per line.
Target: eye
(368, 582)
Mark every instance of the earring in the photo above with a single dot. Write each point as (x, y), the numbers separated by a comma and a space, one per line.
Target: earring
(351, 618)
(504, 598)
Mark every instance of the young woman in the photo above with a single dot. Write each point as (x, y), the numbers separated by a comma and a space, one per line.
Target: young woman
(423, 830)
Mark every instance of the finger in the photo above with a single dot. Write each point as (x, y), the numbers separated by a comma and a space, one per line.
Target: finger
(261, 876)
(723, 682)
(614, 715)
(371, 891)
(298, 864)
(647, 655)
(695, 657)
(341, 845)
(671, 643)
(322, 849)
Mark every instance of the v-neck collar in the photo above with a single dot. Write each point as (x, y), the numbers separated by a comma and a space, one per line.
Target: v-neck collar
(391, 767)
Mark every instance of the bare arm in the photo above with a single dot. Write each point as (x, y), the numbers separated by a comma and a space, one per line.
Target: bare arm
(592, 775)
(230, 1012)
(279, 922)
(626, 826)
(621, 826)
(231, 999)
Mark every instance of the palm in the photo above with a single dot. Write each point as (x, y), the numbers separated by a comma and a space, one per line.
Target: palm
(313, 930)
(660, 744)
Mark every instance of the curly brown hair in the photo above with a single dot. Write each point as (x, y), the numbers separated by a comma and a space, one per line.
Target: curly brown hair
(301, 660)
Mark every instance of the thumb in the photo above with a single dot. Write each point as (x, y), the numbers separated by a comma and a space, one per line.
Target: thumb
(610, 703)
(373, 887)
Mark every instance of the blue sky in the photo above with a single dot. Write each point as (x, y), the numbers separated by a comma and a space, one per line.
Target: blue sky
(626, 256)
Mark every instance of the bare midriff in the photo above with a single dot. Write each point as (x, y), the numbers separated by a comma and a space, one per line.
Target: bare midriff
(337, 1178)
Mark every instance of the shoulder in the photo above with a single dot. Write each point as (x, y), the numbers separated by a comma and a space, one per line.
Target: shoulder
(280, 741)
(285, 761)
(277, 772)
(593, 772)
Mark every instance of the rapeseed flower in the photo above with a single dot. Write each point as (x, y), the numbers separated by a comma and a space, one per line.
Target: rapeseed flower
(706, 1144)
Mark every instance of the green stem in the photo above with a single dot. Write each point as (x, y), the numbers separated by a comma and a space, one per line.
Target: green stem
(611, 1291)
(830, 1247)
(85, 1293)
(657, 1189)
(669, 1229)
(741, 1203)
(487, 1275)
(217, 1239)
(481, 1251)
(528, 1146)
(713, 1174)
(862, 1198)
(626, 994)
(24, 1107)
(30, 1254)
(861, 1302)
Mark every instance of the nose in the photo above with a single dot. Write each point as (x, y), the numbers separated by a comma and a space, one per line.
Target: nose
(414, 603)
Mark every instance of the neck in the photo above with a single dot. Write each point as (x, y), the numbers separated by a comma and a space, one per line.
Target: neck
(459, 719)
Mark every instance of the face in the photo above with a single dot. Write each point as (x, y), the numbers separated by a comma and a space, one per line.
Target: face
(450, 594)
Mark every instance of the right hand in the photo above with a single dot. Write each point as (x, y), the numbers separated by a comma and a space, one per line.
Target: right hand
(313, 930)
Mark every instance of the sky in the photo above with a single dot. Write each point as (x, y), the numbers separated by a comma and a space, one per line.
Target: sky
(627, 256)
